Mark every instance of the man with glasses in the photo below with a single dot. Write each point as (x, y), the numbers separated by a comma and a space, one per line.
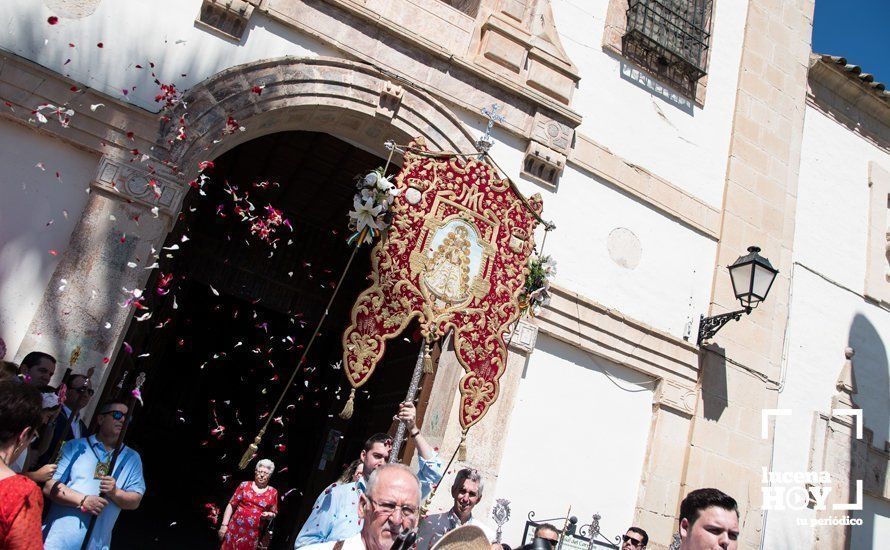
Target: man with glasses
(466, 492)
(84, 486)
(335, 513)
(68, 424)
(634, 539)
(388, 507)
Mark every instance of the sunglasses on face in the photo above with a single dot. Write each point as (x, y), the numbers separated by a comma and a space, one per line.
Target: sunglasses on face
(117, 415)
(634, 542)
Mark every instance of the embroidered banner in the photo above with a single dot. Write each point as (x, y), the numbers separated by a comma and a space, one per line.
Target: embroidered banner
(455, 258)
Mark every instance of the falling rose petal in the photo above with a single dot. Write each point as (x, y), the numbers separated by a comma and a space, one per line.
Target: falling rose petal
(128, 348)
(95, 106)
(54, 253)
(100, 45)
(107, 325)
(74, 89)
(154, 211)
(131, 265)
(105, 360)
(52, 19)
(215, 292)
(41, 166)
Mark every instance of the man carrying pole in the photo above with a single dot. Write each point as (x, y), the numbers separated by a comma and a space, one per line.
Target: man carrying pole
(92, 466)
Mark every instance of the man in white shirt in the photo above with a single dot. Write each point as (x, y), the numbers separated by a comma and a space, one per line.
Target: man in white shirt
(389, 505)
(467, 492)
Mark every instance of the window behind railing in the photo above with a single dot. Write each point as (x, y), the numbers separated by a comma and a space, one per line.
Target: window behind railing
(670, 38)
(469, 7)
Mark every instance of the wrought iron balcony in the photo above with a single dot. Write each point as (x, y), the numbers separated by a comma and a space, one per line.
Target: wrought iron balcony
(669, 38)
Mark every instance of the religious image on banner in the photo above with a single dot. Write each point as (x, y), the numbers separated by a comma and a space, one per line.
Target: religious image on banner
(455, 258)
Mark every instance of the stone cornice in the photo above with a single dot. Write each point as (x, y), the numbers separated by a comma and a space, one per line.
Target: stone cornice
(25, 85)
(844, 99)
(645, 186)
(449, 81)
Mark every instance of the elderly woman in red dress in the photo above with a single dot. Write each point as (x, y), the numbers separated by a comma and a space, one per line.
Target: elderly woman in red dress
(252, 501)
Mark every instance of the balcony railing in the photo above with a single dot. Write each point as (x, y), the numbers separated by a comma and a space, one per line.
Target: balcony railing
(669, 38)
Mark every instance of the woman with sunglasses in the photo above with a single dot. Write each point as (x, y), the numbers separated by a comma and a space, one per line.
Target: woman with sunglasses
(84, 485)
(21, 503)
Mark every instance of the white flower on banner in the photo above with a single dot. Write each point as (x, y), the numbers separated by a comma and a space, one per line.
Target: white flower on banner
(371, 204)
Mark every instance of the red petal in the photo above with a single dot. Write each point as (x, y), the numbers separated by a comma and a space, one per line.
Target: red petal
(52, 19)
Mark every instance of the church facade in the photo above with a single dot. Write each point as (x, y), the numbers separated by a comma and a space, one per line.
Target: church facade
(665, 138)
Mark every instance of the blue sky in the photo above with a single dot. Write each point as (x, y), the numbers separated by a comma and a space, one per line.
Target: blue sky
(856, 29)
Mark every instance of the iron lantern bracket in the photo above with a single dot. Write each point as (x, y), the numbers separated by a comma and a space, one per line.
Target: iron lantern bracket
(709, 326)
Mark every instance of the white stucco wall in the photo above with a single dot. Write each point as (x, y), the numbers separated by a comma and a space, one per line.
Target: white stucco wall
(833, 187)
(689, 150)
(669, 287)
(574, 453)
(38, 212)
(137, 32)
(828, 313)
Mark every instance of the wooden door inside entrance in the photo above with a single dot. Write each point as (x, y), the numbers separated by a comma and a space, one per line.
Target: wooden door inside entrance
(230, 315)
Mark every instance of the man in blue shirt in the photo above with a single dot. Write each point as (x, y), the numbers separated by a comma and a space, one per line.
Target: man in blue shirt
(335, 514)
(83, 475)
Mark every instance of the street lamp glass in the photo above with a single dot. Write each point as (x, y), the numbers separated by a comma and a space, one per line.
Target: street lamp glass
(752, 277)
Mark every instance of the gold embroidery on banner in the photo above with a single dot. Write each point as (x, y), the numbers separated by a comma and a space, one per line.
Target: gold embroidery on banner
(454, 259)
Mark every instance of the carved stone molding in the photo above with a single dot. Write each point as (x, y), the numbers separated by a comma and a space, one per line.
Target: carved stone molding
(390, 98)
(520, 42)
(228, 17)
(675, 395)
(552, 133)
(543, 163)
(139, 186)
(523, 337)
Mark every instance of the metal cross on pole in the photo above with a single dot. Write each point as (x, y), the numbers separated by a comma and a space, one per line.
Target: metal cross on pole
(484, 143)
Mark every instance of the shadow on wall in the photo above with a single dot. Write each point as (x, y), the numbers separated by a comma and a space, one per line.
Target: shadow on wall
(871, 372)
(714, 393)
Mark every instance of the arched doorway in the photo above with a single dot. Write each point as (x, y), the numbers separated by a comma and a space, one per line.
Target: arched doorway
(227, 329)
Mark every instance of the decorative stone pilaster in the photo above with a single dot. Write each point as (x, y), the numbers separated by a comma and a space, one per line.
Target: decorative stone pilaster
(86, 301)
(486, 440)
(838, 449)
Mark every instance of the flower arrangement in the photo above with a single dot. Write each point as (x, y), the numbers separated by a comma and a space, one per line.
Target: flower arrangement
(369, 216)
(536, 293)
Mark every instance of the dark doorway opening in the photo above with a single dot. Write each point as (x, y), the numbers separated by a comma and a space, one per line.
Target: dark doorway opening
(228, 329)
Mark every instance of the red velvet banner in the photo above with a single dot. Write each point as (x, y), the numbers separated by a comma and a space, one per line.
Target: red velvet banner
(455, 258)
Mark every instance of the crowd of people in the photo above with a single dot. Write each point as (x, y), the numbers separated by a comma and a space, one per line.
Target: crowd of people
(49, 460)
(60, 485)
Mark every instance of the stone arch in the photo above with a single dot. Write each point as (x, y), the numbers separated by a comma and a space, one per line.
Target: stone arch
(353, 101)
